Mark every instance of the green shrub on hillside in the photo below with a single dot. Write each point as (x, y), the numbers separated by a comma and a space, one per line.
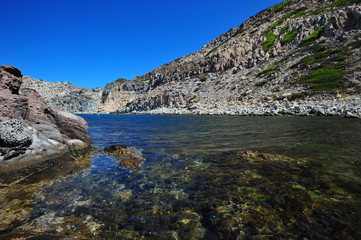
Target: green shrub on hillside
(279, 22)
(320, 10)
(280, 6)
(323, 79)
(269, 42)
(289, 37)
(267, 70)
(211, 51)
(313, 36)
(299, 12)
(337, 3)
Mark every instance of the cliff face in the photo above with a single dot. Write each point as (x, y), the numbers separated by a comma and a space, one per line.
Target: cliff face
(70, 98)
(299, 53)
(118, 94)
(66, 96)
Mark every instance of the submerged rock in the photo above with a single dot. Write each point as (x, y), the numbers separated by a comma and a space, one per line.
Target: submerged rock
(130, 157)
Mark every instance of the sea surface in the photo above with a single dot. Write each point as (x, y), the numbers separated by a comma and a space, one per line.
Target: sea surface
(202, 177)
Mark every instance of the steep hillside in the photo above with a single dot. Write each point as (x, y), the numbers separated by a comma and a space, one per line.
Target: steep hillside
(297, 57)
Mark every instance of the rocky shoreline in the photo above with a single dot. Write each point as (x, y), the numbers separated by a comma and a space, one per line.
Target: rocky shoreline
(349, 107)
(31, 132)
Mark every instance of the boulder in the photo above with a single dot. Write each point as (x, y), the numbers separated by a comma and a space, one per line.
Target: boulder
(31, 132)
(14, 134)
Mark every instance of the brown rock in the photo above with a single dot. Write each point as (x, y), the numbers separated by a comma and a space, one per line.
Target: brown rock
(53, 132)
(10, 79)
(70, 125)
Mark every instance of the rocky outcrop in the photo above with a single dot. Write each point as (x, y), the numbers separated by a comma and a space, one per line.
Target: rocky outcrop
(299, 54)
(119, 93)
(32, 132)
(65, 96)
(69, 98)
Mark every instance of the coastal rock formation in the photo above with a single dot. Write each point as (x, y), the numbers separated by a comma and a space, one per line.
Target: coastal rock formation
(31, 132)
(121, 92)
(69, 98)
(65, 96)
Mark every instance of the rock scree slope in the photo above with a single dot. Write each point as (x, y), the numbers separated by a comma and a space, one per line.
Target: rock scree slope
(299, 57)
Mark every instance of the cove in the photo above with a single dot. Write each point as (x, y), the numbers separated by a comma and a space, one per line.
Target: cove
(203, 177)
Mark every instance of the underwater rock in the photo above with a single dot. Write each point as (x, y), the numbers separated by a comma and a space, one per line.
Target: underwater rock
(256, 156)
(130, 157)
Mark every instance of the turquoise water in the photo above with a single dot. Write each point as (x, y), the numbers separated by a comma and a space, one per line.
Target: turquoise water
(196, 183)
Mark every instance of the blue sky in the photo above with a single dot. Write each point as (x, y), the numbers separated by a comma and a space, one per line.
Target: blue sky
(90, 43)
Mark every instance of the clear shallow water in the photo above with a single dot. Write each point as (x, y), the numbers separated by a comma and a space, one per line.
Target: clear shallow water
(195, 184)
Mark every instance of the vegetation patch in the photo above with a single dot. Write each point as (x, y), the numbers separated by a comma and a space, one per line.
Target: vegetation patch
(211, 51)
(267, 70)
(326, 68)
(283, 30)
(202, 78)
(332, 57)
(338, 3)
(313, 36)
(323, 79)
(318, 11)
(299, 12)
(269, 42)
(289, 37)
(279, 22)
(280, 6)
(194, 99)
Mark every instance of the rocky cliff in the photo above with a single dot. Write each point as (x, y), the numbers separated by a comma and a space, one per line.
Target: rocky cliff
(66, 96)
(31, 132)
(297, 57)
(121, 92)
(70, 98)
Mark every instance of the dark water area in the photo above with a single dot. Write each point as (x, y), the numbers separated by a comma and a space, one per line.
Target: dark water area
(301, 179)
